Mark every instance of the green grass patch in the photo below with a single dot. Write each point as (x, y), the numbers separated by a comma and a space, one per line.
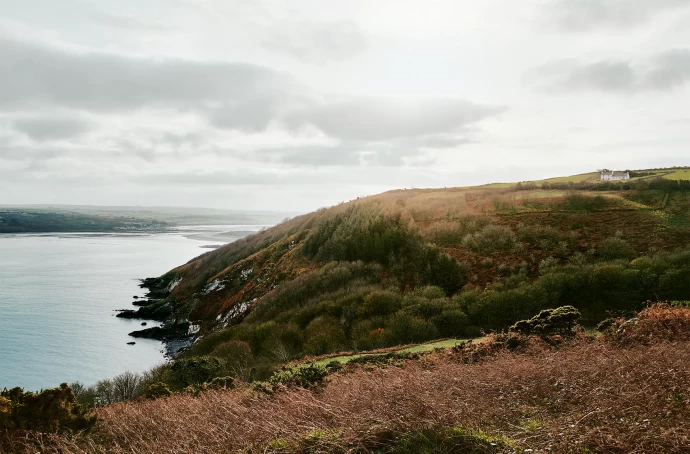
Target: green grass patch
(421, 348)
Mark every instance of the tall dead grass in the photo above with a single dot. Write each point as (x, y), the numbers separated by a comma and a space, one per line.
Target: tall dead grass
(594, 397)
(584, 395)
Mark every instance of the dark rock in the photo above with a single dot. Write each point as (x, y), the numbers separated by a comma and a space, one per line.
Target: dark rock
(126, 313)
(131, 343)
(168, 332)
(143, 324)
(135, 297)
(158, 311)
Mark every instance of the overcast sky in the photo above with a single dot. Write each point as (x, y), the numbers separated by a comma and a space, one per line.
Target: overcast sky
(294, 105)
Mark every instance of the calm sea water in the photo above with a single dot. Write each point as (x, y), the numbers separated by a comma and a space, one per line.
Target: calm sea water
(58, 295)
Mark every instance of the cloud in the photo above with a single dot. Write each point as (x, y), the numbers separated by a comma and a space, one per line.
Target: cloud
(585, 15)
(40, 76)
(124, 22)
(316, 42)
(47, 128)
(230, 97)
(376, 119)
(662, 72)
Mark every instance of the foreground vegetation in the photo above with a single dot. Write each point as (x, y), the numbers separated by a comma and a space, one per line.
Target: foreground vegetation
(625, 391)
(301, 332)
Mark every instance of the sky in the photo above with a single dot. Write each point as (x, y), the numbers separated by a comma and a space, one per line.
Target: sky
(295, 105)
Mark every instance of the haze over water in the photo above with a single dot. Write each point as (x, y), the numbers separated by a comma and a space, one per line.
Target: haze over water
(58, 295)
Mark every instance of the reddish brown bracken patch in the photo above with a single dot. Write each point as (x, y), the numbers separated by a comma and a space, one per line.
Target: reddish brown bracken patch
(584, 395)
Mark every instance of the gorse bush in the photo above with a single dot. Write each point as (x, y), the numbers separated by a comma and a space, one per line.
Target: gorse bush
(561, 320)
(157, 390)
(305, 376)
(50, 410)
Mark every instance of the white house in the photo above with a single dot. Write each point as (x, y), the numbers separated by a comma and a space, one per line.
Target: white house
(613, 175)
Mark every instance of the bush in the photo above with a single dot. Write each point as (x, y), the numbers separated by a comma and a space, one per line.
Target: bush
(406, 329)
(221, 383)
(441, 270)
(195, 371)
(562, 320)
(615, 248)
(578, 202)
(380, 302)
(238, 358)
(491, 238)
(50, 410)
(675, 284)
(451, 323)
(157, 390)
(304, 376)
(324, 335)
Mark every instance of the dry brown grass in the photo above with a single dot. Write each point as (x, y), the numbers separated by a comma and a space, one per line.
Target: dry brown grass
(586, 395)
(657, 322)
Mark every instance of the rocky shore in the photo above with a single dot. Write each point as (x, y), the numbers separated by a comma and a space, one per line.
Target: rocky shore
(157, 306)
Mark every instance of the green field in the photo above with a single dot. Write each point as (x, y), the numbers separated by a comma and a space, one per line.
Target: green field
(428, 346)
(673, 173)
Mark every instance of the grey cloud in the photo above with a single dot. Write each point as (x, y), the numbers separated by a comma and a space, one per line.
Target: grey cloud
(126, 22)
(583, 15)
(35, 75)
(664, 71)
(232, 96)
(316, 42)
(47, 128)
(374, 119)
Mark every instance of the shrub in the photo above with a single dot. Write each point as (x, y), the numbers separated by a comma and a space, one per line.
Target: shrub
(579, 202)
(491, 238)
(545, 236)
(441, 270)
(451, 322)
(615, 248)
(304, 376)
(406, 329)
(50, 410)
(221, 383)
(562, 320)
(431, 292)
(157, 390)
(195, 371)
(380, 302)
(238, 358)
(675, 284)
(324, 335)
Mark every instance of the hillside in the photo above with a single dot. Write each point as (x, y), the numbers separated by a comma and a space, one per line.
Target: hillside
(384, 325)
(410, 266)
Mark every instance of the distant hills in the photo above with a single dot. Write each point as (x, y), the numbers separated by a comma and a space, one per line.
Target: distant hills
(73, 218)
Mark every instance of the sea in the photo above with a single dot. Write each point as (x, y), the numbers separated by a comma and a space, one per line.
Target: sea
(59, 294)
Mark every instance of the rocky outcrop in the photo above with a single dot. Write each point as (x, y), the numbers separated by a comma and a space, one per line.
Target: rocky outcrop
(158, 310)
(164, 333)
